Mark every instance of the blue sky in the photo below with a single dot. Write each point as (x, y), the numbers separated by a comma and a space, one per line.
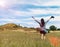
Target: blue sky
(20, 12)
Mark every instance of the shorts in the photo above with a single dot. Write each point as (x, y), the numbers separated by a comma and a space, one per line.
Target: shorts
(43, 32)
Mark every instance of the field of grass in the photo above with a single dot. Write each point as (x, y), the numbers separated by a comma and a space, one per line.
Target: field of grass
(22, 39)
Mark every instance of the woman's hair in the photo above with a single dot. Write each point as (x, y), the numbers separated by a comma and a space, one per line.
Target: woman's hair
(42, 22)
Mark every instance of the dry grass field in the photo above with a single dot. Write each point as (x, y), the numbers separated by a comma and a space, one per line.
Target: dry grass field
(18, 38)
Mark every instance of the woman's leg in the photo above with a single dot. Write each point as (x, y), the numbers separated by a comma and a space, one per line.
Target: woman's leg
(42, 36)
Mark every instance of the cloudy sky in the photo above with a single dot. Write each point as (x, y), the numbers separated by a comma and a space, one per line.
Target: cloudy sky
(21, 12)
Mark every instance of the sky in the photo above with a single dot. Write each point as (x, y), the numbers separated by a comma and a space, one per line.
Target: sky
(21, 12)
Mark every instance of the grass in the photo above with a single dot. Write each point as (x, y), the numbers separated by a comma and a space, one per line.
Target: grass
(22, 39)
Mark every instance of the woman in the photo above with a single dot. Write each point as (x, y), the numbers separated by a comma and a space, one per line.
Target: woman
(42, 24)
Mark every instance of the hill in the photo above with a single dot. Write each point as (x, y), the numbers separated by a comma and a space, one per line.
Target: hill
(12, 26)
(9, 26)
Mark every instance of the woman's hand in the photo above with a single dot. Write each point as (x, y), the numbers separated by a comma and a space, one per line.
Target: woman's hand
(52, 16)
(33, 17)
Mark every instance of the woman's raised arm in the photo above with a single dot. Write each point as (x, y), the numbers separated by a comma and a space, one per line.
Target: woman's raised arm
(49, 18)
(35, 20)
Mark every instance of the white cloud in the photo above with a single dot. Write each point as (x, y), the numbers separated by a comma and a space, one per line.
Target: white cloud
(45, 11)
(48, 3)
(52, 3)
(39, 2)
(10, 20)
(18, 13)
(33, 12)
(34, 2)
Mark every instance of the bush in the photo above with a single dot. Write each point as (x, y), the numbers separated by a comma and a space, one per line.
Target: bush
(52, 28)
(58, 29)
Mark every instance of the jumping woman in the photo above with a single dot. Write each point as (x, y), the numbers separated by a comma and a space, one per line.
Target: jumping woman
(42, 25)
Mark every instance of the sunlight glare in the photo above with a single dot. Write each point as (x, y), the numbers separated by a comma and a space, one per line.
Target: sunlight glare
(2, 3)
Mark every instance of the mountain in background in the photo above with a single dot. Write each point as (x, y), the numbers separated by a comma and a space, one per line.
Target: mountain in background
(12, 26)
